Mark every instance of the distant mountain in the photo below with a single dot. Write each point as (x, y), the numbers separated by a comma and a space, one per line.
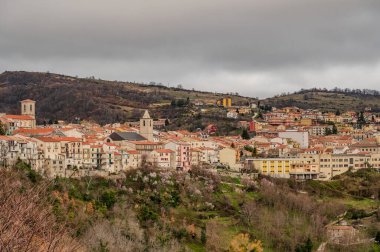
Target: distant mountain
(66, 97)
(328, 100)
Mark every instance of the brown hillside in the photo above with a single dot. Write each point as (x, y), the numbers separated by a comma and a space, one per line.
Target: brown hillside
(65, 97)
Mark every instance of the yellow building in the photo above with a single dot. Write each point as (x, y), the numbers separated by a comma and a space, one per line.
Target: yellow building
(303, 167)
(225, 102)
(307, 166)
(306, 122)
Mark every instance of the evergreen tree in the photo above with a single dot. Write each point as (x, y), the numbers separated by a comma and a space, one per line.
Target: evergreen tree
(254, 152)
(306, 246)
(309, 245)
(361, 120)
(2, 129)
(203, 235)
(245, 134)
(377, 238)
(328, 132)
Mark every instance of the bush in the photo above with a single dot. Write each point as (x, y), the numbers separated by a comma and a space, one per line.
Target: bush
(356, 214)
(146, 214)
(108, 198)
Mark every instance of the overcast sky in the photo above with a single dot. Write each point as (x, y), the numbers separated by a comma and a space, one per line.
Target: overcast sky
(257, 48)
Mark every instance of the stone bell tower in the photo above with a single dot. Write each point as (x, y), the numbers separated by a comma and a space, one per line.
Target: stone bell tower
(146, 126)
(28, 107)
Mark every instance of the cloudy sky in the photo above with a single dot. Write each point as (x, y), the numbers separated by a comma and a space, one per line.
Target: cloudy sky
(253, 47)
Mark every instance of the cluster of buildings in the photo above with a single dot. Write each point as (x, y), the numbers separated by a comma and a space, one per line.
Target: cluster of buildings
(288, 143)
(87, 148)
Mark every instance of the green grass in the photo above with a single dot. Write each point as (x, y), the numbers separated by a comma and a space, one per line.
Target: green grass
(196, 247)
(365, 204)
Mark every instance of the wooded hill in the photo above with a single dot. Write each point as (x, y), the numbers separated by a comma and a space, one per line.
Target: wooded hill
(64, 97)
(328, 100)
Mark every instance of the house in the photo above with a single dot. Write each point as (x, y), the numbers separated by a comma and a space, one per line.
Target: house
(342, 235)
(195, 156)
(163, 158)
(301, 137)
(133, 159)
(232, 114)
(13, 148)
(230, 158)
(182, 153)
(144, 147)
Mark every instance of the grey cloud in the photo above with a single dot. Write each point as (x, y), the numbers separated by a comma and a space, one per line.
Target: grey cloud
(196, 42)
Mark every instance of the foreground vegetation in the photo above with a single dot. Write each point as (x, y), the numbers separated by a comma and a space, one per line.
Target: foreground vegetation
(156, 210)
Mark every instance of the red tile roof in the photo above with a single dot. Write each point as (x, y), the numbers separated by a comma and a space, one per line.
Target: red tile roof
(37, 131)
(19, 117)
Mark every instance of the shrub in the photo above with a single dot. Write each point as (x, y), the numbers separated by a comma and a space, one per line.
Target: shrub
(108, 198)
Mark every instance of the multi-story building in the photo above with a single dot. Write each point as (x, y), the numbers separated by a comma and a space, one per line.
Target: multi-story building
(163, 158)
(182, 153)
(301, 137)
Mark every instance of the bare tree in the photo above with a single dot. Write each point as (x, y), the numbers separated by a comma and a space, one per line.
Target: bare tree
(26, 219)
(4, 150)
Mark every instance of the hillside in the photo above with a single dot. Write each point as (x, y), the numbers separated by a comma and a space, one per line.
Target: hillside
(159, 210)
(328, 100)
(65, 97)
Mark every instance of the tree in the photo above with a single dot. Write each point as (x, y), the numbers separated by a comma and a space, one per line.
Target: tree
(245, 134)
(259, 115)
(242, 243)
(203, 235)
(167, 122)
(2, 129)
(305, 247)
(27, 223)
(328, 131)
(4, 149)
(254, 152)
(108, 198)
(361, 120)
(377, 237)
(334, 130)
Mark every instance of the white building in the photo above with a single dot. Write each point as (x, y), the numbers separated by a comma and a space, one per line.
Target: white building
(301, 137)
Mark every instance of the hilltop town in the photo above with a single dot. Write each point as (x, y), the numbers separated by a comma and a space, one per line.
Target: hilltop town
(284, 142)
